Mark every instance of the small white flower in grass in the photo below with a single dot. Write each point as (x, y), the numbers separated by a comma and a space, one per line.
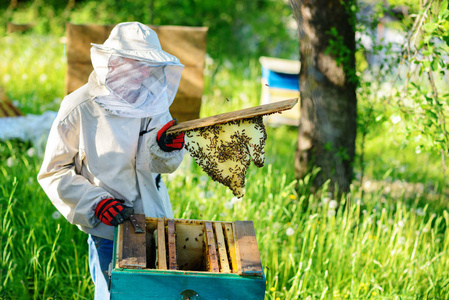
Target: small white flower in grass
(331, 213)
(401, 224)
(290, 231)
(31, 152)
(425, 229)
(395, 119)
(401, 240)
(202, 207)
(420, 211)
(56, 215)
(223, 214)
(325, 200)
(437, 240)
(417, 149)
(333, 204)
(236, 200)
(202, 194)
(24, 76)
(10, 162)
(229, 205)
(43, 77)
(367, 184)
(6, 78)
(364, 211)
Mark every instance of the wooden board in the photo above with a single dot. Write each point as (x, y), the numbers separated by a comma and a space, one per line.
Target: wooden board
(229, 233)
(161, 252)
(7, 109)
(211, 251)
(221, 245)
(251, 112)
(133, 252)
(246, 246)
(171, 237)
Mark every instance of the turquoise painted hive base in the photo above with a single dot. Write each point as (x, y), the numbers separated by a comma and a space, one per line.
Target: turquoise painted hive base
(186, 259)
(154, 284)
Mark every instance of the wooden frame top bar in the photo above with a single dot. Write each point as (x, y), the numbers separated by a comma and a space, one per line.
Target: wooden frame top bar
(251, 112)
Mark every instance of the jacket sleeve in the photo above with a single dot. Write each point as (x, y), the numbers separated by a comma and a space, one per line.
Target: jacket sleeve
(72, 194)
(158, 160)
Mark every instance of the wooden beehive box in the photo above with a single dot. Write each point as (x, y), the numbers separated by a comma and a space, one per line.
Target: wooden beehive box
(187, 259)
(186, 43)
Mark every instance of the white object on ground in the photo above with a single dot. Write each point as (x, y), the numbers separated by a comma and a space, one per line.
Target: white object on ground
(34, 128)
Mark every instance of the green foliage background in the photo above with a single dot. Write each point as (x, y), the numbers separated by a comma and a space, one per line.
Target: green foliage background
(236, 28)
(386, 239)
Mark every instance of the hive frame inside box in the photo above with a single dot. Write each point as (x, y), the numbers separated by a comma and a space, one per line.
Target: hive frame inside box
(214, 260)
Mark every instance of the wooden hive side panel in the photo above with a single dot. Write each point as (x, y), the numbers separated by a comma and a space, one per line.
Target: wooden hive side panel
(133, 252)
(247, 250)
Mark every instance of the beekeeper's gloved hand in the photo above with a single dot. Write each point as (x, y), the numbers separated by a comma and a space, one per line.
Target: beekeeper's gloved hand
(112, 211)
(170, 143)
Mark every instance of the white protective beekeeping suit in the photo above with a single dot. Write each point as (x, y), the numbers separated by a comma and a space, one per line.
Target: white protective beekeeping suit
(103, 141)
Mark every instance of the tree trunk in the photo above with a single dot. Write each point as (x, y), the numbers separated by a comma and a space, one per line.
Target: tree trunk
(328, 85)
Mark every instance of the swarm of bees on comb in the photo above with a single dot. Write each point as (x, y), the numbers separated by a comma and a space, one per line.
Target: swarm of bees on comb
(225, 151)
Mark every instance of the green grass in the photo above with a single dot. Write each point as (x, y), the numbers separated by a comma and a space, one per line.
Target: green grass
(388, 244)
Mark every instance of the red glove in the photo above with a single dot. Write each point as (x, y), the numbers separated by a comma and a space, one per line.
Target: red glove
(170, 143)
(111, 211)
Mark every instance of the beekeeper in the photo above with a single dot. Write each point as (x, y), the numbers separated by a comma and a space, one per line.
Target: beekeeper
(108, 144)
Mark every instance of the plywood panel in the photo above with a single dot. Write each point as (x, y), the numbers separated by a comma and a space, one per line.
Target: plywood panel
(77, 75)
(79, 38)
(186, 43)
(191, 84)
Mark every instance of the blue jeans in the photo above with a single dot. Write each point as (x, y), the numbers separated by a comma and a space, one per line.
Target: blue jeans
(100, 256)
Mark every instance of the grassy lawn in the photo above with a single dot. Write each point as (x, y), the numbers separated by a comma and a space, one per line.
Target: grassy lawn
(389, 242)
